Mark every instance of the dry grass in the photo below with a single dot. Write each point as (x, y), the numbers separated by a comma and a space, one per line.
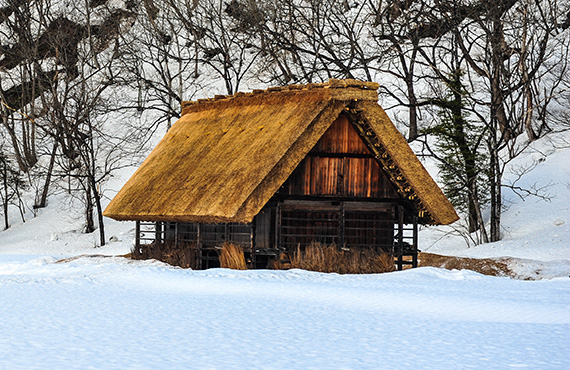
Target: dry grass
(317, 257)
(185, 256)
(232, 257)
(486, 266)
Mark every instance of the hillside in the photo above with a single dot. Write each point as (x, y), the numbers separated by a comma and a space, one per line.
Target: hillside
(536, 230)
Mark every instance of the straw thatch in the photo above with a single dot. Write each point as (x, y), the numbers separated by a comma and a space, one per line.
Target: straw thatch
(225, 158)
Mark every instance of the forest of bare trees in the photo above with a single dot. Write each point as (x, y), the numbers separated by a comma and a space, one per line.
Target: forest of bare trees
(85, 84)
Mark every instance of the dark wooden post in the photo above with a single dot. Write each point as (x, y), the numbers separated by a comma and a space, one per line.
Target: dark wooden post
(137, 235)
(400, 247)
(278, 227)
(199, 235)
(341, 238)
(252, 243)
(157, 232)
(199, 244)
(176, 234)
(415, 242)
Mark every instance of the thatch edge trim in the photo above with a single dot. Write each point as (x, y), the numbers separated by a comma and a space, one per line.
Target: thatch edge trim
(336, 89)
(423, 185)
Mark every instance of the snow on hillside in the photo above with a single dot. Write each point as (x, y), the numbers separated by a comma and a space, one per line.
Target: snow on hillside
(536, 230)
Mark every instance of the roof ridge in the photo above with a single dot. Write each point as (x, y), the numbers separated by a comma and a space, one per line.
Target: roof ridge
(332, 83)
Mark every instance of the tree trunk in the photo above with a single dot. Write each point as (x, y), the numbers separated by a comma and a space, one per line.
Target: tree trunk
(412, 99)
(495, 190)
(532, 136)
(500, 128)
(5, 200)
(470, 167)
(21, 205)
(97, 199)
(413, 133)
(43, 200)
(89, 222)
(6, 223)
(484, 237)
(468, 155)
(17, 153)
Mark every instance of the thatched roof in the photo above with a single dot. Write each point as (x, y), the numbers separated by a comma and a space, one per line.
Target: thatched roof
(225, 158)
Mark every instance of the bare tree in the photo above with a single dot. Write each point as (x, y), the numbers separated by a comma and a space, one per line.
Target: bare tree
(69, 67)
(508, 45)
(11, 185)
(309, 41)
(507, 52)
(220, 40)
(400, 41)
(19, 78)
(160, 56)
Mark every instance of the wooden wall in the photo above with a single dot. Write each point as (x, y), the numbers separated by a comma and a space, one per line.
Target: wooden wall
(339, 165)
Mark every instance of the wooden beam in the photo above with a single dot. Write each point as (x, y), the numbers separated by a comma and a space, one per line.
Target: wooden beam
(278, 226)
(415, 241)
(137, 234)
(176, 234)
(400, 247)
(339, 155)
(252, 243)
(341, 236)
(157, 233)
(199, 245)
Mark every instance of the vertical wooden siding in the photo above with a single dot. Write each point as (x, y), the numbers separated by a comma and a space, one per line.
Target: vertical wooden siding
(340, 164)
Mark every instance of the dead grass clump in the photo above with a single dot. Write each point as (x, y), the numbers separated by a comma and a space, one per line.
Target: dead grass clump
(484, 266)
(317, 257)
(183, 255)
(282, 262)
(232, 257)
(368, 261)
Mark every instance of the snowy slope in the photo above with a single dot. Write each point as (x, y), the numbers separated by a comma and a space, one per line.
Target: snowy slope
(533, 228)
(112, 313)
(57, 231)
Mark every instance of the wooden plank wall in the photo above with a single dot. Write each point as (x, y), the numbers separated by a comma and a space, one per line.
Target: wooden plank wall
(341, 165)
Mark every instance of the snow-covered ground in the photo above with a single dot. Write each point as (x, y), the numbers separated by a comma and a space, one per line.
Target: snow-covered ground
(113, 313)
(96, 312)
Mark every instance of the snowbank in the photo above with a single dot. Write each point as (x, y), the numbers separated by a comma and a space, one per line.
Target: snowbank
(113, 313)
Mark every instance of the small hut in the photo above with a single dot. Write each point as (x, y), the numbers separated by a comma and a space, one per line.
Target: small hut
(283, 168)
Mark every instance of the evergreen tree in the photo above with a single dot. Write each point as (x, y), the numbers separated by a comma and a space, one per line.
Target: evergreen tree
(458, 140)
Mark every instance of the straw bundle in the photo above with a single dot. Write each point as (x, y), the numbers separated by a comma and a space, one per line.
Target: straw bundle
(232, 257)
